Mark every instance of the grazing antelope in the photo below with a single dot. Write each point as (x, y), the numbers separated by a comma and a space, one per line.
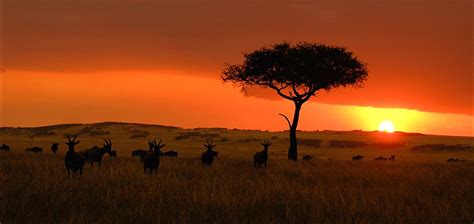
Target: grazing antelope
(170, 154)
(208, 156)
(151, 159)
(455, 160)
(55, 147)
(358, 157)
(96, 153)
(391, 158)
(5, 148)
(307, 157)
(261, 157)
(381, 158)
(73, 160)
(34, 149)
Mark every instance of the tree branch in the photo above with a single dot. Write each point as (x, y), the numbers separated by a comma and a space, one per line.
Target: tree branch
(287, 120)
(279, 91)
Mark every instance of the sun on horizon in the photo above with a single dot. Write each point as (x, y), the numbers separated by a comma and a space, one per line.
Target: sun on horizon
(387, 126)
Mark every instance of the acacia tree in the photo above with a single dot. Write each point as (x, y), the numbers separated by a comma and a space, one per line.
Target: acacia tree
(296, 73)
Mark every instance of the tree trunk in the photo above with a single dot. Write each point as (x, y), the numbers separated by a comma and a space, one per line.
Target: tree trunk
(293, 150)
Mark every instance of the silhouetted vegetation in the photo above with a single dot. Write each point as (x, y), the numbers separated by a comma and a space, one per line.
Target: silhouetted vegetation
(190, 134)
(139, 134)
(442, 147)
(224, 140)
(387, 145)
(346, 144)
(247, 140)
(296, 73)
(315, 143)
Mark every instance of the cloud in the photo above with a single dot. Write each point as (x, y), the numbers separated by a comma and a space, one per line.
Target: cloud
(419, 53)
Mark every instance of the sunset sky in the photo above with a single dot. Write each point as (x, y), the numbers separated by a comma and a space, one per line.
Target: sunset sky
(159, 61)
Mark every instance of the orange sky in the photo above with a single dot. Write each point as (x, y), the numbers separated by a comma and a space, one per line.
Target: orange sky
(117, 55)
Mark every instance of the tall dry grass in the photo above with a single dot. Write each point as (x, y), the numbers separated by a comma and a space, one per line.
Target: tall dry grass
(36, 189)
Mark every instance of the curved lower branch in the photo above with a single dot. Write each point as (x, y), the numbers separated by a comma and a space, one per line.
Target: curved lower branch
(287, 120)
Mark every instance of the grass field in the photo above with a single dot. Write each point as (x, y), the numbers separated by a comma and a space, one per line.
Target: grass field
(419, 187)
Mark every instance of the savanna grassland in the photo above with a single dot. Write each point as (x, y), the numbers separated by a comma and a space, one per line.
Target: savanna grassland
(418, 187)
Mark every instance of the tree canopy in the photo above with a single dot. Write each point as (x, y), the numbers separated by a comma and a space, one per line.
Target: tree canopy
(298, 71)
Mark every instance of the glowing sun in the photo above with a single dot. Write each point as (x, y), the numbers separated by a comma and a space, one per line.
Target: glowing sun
(386, 126)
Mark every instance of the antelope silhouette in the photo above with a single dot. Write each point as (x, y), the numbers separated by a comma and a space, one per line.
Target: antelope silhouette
(5, 148)
(141, 153)
(207, 157)
(357, 157)
(151, 159)
(55, 147)
(34, 149)
(96, 153)
(391, 158)
(73, 160)
(260, 158)
(170, 154)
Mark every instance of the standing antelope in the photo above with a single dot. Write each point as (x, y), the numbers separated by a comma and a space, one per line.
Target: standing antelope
(151, 159)
(391, 158)
(5, 148)
(261, 157)
(73, 160)
(55, 147)
(96, 153)
(208, 156)
(140, 153)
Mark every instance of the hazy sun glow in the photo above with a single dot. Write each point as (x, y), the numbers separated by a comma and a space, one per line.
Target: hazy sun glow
(386, 126)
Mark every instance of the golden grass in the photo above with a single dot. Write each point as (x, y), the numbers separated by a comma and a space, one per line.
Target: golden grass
(417, 188)
(35, 188)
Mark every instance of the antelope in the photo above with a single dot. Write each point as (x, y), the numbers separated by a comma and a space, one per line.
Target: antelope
(261, 157)
(95, 153)
(140, 153)
(34, 149)
(170, 154)
(357, 157)
(5, 148)
(55, 147)
(208, 156)
(391, 158)
(73, 160)
(455, 160)
(151, 159)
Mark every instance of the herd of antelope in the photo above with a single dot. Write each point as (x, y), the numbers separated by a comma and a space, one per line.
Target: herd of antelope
(150, 159)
